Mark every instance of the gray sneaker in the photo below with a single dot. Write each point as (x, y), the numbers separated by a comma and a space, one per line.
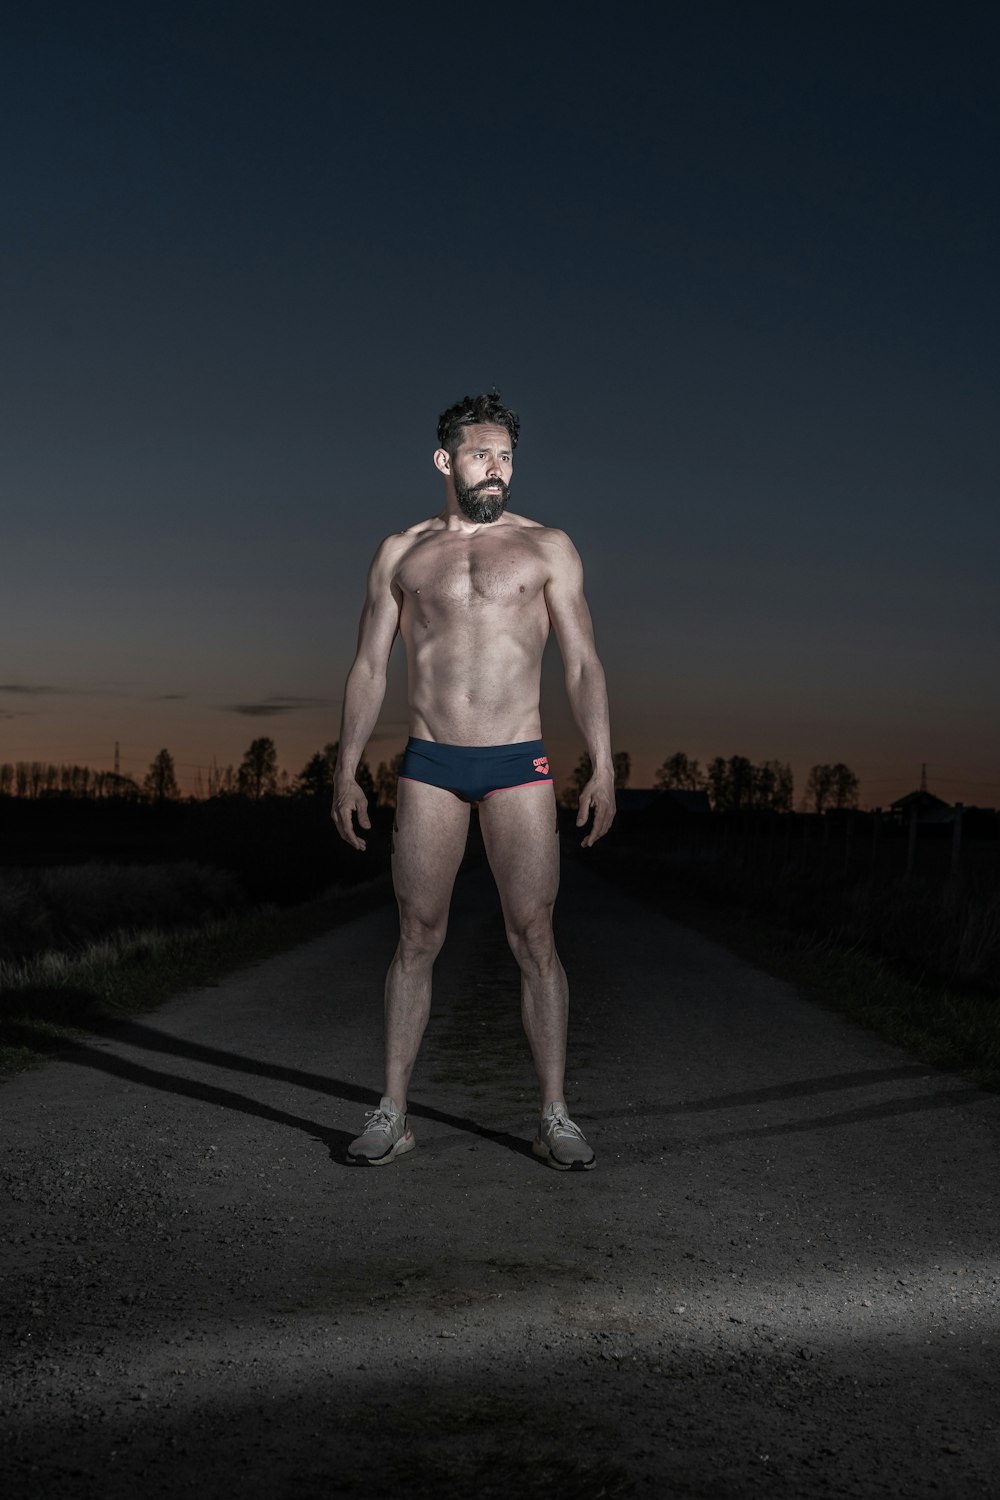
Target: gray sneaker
(385, 1137)
(561, 1143)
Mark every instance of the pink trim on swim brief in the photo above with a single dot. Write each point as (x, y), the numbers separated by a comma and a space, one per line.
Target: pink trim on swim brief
(542, 781)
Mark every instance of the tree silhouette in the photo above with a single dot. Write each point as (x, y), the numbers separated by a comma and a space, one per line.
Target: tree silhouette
(316, 777)
(581, 774)
(844, 786)
(831, 786)
(678, 773)
(161, 782)
(622, 764)
(384, 785)
(730, 783)
(366, 781)
(258, 773)
(773, 786)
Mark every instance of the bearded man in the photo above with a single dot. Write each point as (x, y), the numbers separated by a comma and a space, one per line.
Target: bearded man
(474, 592)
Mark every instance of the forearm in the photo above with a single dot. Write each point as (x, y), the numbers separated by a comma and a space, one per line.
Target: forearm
(587, 691)
(363, 697)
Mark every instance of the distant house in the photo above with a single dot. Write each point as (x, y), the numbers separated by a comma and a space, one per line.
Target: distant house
(928, 808)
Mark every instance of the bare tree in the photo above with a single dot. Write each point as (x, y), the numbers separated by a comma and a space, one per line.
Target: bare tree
(258, 773)
(160, 784)
(621, 762)
(819, 788)
(844, 786)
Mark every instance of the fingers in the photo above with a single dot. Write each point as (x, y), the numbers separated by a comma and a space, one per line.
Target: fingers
(604, 816)
(343, 817)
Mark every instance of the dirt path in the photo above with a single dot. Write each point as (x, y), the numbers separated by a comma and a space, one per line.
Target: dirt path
(781, 1279)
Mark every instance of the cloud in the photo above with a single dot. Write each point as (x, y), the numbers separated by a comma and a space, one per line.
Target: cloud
(279, 704)
(47, 690)
(169, 697)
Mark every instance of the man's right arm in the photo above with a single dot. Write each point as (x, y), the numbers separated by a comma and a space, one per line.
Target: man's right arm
(365, 689)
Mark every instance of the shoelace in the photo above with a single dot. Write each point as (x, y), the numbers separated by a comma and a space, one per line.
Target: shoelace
(377, 1120)
(565, 1125)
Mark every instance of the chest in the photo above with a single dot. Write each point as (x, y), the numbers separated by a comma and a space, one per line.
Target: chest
(446, 576)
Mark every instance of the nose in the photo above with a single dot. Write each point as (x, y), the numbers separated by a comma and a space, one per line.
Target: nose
(493, 469)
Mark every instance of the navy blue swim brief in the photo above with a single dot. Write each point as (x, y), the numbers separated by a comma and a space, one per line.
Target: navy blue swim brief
(473, 772)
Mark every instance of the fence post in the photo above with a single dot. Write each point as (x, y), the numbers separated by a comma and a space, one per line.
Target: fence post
(876, 832)
(911, 847)
(956, 839)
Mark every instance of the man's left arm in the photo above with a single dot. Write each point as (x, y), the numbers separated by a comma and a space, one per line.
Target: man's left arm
(585, 684)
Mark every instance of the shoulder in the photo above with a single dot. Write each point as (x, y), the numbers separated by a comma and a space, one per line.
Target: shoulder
(394, 548)
(560, 554)
(555, 543)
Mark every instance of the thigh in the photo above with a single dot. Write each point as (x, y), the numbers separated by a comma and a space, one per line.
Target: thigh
(429, 834)
(522, 845)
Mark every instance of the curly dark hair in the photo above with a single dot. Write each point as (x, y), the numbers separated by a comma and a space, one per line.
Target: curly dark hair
(471, 410)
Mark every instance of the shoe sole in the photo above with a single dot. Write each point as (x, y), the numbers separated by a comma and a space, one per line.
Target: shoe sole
(541, 1150)
(405, 1143)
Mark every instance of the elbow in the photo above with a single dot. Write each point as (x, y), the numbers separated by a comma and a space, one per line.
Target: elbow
(584, 672)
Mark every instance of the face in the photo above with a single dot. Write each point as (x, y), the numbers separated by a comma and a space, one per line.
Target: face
(481, 472)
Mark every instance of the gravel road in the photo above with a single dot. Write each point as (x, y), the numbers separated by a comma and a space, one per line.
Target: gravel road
(781, 1279)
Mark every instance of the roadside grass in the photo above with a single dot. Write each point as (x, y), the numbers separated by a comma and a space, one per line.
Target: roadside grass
(942, 1022)
(63, 908)
(52, 998)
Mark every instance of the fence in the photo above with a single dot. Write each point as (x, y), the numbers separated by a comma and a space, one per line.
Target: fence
(840, 847)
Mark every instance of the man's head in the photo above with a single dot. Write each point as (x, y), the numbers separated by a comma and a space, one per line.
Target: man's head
(477, 438)
(475, 411)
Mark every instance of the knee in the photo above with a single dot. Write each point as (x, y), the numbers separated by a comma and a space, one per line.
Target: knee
(531, 940)
(420, 937)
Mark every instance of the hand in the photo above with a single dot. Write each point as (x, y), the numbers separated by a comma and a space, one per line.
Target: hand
(349, 799)
(597, 797)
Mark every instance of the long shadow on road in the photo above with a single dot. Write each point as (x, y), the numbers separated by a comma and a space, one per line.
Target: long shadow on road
(135, 1034)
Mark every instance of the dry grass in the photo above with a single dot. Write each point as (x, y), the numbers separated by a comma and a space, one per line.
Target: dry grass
(918, 963)
(65, 909)
(47, 999)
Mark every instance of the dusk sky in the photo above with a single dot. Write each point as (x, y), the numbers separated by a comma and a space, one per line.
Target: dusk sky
(735, 266)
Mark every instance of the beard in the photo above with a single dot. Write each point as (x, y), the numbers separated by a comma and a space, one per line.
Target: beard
(477, 505)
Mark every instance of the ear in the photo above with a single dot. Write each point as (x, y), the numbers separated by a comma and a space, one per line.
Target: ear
(442, 460)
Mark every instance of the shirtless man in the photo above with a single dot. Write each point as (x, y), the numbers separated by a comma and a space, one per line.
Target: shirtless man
(474, 592)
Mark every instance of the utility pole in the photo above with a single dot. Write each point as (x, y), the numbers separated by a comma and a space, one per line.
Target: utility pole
(118, 768)
(923, 777)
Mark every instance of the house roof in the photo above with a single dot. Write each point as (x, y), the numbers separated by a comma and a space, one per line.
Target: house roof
(921, 800)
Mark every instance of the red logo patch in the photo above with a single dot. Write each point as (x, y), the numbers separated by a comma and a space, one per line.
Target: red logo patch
(541, 765)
